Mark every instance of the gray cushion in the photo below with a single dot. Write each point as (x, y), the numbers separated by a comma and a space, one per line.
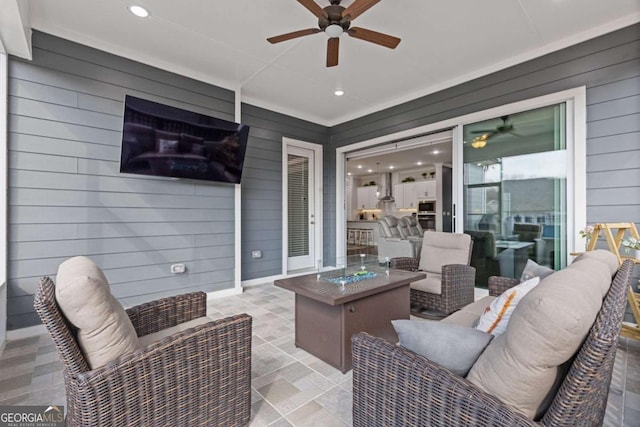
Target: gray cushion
(145, 340)
(520, 366)
(533, 269)
(451, 346)
(470, 314)
(430, 285)
(440, 249)
(604, 256)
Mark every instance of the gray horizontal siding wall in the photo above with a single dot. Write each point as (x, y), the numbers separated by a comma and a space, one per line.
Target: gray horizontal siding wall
(262, 185)
(67, 197)
(609, 66)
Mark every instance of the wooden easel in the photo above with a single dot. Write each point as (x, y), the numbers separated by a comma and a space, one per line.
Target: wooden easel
(614, 242)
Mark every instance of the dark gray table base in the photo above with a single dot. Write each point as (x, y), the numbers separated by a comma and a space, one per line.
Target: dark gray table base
(325, 330)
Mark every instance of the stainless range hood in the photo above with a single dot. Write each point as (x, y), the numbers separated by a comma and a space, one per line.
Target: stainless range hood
(385, 188)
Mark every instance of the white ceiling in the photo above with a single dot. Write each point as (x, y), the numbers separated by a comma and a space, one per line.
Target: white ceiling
(224, 43)
(416, 159)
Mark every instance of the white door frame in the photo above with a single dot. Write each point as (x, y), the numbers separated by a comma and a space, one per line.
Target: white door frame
(317, 191)
(576, 167)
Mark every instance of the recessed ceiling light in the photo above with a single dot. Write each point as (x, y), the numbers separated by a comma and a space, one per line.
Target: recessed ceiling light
(139, 11)
(349, 173)
(391, 167)
(419, 163)
(359, 166)
(369, 170)
(338, 92)
(435, 151)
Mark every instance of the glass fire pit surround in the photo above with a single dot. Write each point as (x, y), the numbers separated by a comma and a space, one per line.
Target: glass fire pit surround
(352, 269)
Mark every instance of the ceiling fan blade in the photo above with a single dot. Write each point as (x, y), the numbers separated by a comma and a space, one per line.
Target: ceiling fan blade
(332, 51)
(358, 7)
(374, 37)
(293, 35)
(314, 8)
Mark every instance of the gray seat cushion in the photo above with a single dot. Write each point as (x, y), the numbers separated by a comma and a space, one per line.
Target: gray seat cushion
(145, 340)
(469, 314)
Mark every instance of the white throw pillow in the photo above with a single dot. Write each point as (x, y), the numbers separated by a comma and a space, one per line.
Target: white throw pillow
(449, 345)
(496, 316)
(105, 332)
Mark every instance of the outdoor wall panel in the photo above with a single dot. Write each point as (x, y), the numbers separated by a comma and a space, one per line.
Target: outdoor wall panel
(67, 196)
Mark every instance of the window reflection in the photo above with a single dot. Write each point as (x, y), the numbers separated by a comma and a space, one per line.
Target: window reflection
(515, 192)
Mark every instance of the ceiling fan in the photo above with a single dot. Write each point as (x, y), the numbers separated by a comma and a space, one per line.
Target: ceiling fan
(335, 20)
(501, 129)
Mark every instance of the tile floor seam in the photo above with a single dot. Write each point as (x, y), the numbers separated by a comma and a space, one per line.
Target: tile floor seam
(276, 369)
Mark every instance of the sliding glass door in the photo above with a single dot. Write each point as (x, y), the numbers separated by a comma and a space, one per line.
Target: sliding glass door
(515, 191)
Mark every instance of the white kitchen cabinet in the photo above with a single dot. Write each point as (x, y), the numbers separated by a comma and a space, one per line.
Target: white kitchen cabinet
(405, 195)
(426, 189)
(367, 198)
(410, 200)
(398, 195)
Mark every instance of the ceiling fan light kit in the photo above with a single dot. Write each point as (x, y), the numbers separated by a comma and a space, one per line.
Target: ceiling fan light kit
(333, 30)
(334, 20)
(480, 141)
(501, 129)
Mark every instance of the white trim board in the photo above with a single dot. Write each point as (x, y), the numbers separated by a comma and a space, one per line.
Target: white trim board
(319, 186)
(4, 96)
(237, 225)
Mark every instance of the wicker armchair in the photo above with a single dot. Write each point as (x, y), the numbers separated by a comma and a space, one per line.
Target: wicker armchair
(199, 376)
(393, 386)
(450, 281)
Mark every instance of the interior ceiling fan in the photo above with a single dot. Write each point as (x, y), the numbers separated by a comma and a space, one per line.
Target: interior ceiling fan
(501, 129)
(504, 127)
(335, 20)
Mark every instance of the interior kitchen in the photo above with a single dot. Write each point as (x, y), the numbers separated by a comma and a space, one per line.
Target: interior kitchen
(411, 180)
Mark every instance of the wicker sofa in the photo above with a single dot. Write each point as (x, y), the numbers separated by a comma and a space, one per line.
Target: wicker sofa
(393, 386)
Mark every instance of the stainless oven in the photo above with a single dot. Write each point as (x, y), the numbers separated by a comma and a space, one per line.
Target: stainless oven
(427, 221)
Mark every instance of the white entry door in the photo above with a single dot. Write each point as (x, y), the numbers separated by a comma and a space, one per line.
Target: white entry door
(301, 211)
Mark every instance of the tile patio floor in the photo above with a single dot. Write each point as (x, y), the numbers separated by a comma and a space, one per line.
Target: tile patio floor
(289, 386)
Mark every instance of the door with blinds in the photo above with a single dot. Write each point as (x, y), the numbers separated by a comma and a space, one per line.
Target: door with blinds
(301, 208)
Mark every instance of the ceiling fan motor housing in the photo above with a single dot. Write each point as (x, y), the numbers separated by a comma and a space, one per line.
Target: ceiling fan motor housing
(334, 17)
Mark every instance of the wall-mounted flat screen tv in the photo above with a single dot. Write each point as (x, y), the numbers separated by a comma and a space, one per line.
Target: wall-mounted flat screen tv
(162, 140)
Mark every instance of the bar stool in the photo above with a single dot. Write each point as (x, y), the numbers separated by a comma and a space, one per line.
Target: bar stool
(366, 237)
(351, 236)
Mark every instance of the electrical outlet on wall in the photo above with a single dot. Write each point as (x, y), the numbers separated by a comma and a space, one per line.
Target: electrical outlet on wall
(178, 268)
(256, 254)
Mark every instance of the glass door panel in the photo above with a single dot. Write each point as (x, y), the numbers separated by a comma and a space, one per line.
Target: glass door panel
(515, 179)
(301, 205)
